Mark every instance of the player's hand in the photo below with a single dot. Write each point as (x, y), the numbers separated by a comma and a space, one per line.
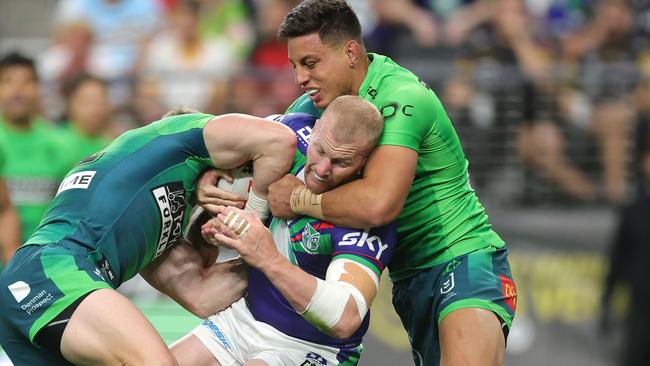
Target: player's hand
(279, 195)
(244, 231)
(210, 197)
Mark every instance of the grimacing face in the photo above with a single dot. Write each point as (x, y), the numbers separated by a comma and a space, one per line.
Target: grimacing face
(330, 163)
(321, 69)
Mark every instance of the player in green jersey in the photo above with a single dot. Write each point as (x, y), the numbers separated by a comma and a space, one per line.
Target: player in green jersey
(452, 284)
(113, 215)
(36, 155)
(9, 221)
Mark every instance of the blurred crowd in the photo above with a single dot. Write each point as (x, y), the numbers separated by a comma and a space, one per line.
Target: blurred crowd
(557, 89)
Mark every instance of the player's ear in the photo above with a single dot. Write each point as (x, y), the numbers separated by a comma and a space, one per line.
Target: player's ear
(353, 53)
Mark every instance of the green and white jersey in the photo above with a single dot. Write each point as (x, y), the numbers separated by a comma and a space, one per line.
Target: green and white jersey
(37, 159)
(126, 204)
(442, 217)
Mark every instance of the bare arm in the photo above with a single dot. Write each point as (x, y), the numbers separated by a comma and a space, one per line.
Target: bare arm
(234, 139)
(377, 198)
(10, 224)
(202, 290)
(299, 287)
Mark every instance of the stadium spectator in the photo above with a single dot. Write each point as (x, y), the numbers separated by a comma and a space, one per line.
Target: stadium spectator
(605, 49)
(119, 29)
(65, 58)
(36, 155)
(230, 20)
(628, 264)
(88, 116)
(9, 221)
(186, 67)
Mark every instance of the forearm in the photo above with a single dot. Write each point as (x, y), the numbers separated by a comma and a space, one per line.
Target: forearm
(267, 169)
(296, 285)
(10, 233)
(329, 306)
(358, 204)
(203, 291)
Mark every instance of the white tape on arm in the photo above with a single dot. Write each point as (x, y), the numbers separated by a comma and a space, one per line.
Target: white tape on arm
(258, 205)
(331, 297)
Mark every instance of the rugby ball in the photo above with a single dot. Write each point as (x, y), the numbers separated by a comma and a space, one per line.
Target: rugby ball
(242, 180)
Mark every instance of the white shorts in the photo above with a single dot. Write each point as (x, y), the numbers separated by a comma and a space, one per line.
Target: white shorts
(233, 336)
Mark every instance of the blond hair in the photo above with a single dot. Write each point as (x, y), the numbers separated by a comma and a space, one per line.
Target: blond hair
(352, 118)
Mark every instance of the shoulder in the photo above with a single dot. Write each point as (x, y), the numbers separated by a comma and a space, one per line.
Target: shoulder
(305, 105)
(376, 243)
(301, 124)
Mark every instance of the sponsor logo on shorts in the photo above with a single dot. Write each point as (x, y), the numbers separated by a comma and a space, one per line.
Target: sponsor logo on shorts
(314, 359)
(448, 285)
(80, 180)
(310, 239)
(509, 292)
(171, 205)
(360, 239)
(451, 266)
(40, 299)
(19, 290)
(217, 333)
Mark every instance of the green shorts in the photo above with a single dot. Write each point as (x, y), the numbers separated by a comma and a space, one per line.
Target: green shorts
(37, 284)
(480, 279)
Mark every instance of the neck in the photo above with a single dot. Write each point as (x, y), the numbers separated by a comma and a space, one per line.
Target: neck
(360, 75)
(21, 123)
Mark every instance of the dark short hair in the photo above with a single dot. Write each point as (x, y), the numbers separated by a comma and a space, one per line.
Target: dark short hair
(72, 85)
(334, 20)
(15, 59)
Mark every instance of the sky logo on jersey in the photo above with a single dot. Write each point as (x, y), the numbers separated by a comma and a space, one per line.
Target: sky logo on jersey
(80, 180)
(310, 239)
(360, 239)
(170, 199)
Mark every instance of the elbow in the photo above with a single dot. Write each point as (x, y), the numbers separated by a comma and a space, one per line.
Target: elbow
(344, 330)
(204, 308)
(285, 139)
(380, 213)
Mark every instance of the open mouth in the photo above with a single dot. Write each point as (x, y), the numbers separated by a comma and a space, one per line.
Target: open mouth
(319, 178)
(313, 93)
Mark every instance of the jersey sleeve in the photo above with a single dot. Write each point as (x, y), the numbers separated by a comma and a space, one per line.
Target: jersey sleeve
(372, 248)
(304, 105)
(409, 116)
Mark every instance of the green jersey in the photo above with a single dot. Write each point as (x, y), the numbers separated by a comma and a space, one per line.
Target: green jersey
(128, 203)
(81, 146)
(442, 217)
(36, 161)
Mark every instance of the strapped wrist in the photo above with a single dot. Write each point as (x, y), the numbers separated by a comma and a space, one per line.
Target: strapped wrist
(305, 202)
(258, 205)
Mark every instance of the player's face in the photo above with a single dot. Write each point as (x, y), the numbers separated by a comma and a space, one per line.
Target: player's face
(322, 70)
(89, 107)
(18, 92)
(329, 163)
